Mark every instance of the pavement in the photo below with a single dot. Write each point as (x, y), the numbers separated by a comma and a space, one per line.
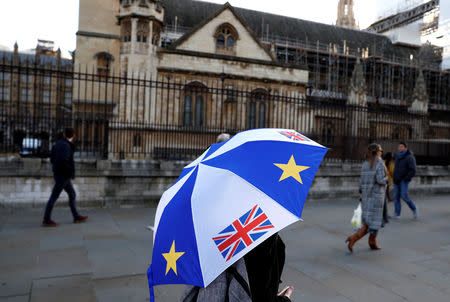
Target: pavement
(106, 258)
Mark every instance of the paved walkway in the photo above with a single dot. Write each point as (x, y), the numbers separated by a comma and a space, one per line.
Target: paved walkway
(106, 258)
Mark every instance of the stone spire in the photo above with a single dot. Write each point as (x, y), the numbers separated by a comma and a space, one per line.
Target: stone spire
(357, 90)
(16, 53)
(58, 58)
(346, 17)
(37, 55)
(420, 96)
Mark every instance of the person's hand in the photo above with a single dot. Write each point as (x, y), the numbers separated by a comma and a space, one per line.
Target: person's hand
(287, 291)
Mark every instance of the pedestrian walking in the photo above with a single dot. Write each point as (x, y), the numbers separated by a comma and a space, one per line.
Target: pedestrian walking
(405, 169)
(373, 187)
(63, 172)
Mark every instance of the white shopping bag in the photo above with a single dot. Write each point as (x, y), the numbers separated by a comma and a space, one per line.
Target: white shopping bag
(357, 218)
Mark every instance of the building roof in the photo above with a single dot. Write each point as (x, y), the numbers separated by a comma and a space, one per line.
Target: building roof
(214, 15)
(7, 55)
(189, 13)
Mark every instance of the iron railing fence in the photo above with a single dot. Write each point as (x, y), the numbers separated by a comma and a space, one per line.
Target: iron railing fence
(172, 116)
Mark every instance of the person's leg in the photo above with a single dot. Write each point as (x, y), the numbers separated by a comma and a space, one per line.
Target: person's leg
(397, 204)
(356, 236)
(57, 189)
(72, 196)
(388, 193)
(385, 211)
(405, 197)
(373, 239)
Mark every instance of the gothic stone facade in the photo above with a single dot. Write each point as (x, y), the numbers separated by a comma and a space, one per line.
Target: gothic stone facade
(124, 38)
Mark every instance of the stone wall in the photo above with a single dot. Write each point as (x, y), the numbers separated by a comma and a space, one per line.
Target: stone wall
(113, 183)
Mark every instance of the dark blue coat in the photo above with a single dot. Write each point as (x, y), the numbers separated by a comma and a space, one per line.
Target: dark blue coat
(405, 167)
(62, 159)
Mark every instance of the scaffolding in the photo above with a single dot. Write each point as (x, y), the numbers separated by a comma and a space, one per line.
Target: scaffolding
(390, 78)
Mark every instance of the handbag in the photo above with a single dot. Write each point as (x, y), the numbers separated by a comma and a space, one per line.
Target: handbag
(357, 218)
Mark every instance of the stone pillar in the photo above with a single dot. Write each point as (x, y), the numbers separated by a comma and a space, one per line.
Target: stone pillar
(133, 35)
(420, 96)
(419, 107)
(150, 38)
(357, 119)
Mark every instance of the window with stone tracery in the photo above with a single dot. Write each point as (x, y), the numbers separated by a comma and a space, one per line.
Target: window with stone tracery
(156, 34)
(125, 34)
(142, 32)
(257, 109)
(226, 37)
(195, 97)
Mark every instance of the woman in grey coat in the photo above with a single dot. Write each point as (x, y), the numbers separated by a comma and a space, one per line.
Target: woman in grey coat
(373, 187)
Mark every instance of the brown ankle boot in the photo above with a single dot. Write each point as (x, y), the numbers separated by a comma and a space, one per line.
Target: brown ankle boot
(355, 237)
(373, 242)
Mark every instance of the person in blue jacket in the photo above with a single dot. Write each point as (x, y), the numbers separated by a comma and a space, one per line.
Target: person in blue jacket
(63, 172)
(405, 169)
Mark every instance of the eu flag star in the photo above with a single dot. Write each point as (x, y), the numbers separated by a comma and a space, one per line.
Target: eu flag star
(171, 258)
(291, 170)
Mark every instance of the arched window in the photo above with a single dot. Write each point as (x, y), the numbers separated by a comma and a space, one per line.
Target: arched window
(104, 61)
(226, 37)
(257, 109)
(195, 96)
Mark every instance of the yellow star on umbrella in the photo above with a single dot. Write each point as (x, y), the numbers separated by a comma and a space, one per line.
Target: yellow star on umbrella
(291, 170)
(171, 258)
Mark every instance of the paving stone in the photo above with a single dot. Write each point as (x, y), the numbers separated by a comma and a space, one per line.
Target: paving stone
(63, 241)
(169, 293)
(308, 289)
(16, 282)
(435, 279)
(416, 292)
(24, 298)
(67, 289)
(358, 289)
(112, 258)
(63, 262)
(131, 289)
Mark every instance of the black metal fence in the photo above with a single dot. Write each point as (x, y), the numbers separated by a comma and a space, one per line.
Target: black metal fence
(173, 116)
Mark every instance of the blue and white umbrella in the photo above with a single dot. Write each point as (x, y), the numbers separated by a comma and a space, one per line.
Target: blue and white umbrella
(229, 200)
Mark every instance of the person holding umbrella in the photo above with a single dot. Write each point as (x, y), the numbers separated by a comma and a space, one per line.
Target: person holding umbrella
(247, 280)
(373, 187)
(229, 204)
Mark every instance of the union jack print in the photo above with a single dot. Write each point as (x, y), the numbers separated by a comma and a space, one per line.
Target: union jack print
(243, 232)
(294, 136)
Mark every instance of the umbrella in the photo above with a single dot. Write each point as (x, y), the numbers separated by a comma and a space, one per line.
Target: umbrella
(229, 200)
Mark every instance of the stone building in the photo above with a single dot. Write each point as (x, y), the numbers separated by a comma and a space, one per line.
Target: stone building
(126, 36)
(161, 65)
(35, 93)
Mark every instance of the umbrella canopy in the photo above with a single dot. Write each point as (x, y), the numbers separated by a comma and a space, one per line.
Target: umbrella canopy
(229, 200)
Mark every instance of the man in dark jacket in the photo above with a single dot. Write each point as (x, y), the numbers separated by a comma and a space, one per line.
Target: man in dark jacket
(405, 169)
(63, 171)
